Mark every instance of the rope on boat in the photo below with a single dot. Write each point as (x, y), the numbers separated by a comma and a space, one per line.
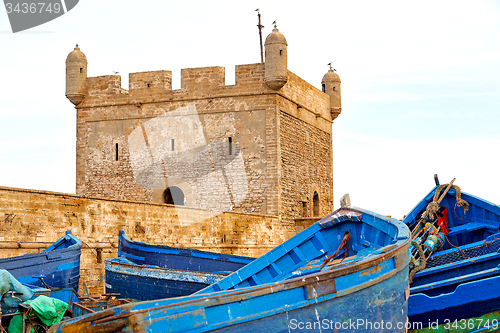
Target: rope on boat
(461, 252)
(420, 266)
(343, 244)
(433, 207)
(489, 243)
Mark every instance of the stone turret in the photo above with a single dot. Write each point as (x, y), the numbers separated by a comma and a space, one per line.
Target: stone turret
(276, 73)
(331, 87)
(76, 76)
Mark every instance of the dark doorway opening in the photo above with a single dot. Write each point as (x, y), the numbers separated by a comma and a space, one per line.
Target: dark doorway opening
(174, 196)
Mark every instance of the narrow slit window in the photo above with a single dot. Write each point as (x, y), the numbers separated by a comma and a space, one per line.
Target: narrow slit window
(323, 86)
(333, 88)
(230, 139)
(281, 52)
(173, 144)
(116, 152)
(81, 70)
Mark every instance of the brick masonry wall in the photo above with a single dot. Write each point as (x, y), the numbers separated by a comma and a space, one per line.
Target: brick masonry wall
(203, 169)
(36, 219)
(302, 223)
(306, 157)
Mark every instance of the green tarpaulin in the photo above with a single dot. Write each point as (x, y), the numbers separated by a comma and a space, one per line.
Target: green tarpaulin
(49, 310)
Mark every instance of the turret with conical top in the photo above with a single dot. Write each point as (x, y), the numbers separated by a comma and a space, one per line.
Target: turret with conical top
(276, 60)
(76, 76)
(331, 87)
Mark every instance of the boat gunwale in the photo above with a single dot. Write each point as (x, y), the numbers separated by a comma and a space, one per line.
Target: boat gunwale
(226, 296)
(113, 261)
(411, 219)
(399, 229)
(150, 248)
(74, 247)
(458, 264)
(68, 237)
(456, 280)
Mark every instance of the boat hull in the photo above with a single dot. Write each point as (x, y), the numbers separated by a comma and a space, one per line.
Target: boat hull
(380, 307)
(59, 264)
(177, 258)
(469, 300)
(140, 282)
(147, 272)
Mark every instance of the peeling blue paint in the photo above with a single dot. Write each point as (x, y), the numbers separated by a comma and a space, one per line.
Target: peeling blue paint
(69, 265)
(289, 287)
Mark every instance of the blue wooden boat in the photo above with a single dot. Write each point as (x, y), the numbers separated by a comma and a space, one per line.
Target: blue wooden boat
(146, 272)
(462, 279)
(361, 287)
(146, 282)
(176, 258)
(59, 265)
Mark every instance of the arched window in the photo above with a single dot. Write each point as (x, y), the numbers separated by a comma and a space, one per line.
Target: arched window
(174, 196)
(315, 204)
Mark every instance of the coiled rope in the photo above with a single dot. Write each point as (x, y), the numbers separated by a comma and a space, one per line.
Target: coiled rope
(433, 207)
(418, 267)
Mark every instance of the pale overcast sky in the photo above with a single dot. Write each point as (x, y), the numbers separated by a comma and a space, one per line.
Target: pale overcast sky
(420, 84)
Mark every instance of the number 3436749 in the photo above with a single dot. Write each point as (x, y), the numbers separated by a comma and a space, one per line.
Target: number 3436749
(33, 7)
(473, 323)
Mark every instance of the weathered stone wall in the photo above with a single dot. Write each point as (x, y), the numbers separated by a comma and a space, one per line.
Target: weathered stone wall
(306, 169)
(305, 150)
(212, 172)
(302, 223)
(31, 220)
(133, 145)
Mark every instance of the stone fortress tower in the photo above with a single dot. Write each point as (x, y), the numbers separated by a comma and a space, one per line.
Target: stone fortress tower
(262, 145)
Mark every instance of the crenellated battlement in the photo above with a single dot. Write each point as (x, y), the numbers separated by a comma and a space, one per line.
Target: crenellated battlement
(104, 85)
(199, 81)
(203, 77)
(207, 83)
(156, 80)
(202, 83)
